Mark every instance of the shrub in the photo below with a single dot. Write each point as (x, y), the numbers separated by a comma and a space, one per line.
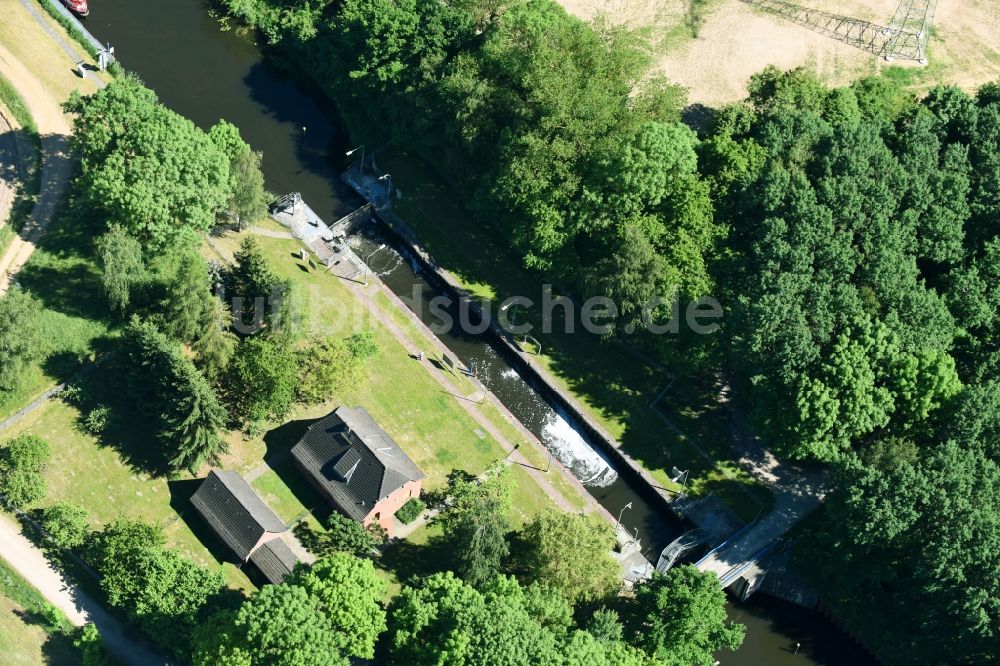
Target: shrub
(66, 524)
(87, 639)
(343, 535)
(96, 420)
(411, 510)
(21, 464)
(72, 395)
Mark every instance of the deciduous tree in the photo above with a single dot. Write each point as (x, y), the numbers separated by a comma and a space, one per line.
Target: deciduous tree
(157, 588)
(324, 614)
(66, 523)
(123, 266)
(148, 168)
(476, 522)
(680, 618)
(21, 341)
(571, 553)
(22, 461)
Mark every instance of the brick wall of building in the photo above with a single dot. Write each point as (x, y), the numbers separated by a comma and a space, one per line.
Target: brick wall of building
(384, 511)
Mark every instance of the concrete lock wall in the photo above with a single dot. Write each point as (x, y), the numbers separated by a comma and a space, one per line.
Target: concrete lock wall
(643, 481)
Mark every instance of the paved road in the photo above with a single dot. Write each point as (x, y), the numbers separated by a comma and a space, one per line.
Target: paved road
(53, 128)
(30, 562)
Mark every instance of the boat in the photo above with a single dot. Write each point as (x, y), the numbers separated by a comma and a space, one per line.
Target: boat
(78, 7)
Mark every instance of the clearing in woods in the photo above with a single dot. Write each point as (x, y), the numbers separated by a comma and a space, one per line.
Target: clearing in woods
(712, 47)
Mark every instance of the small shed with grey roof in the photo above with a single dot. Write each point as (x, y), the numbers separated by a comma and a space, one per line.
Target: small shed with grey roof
(357, 467)
(242, 520)
(274, 559)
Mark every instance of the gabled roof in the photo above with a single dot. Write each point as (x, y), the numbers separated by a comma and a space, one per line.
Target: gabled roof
(354, 461)
(274, 559)
(235, 511)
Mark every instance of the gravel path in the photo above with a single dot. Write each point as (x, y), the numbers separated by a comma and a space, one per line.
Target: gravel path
(57, 165)
(10, 169)
(25, 558)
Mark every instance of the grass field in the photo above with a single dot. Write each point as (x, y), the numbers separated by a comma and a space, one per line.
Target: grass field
(423, 418)
(63, 274)
(615, 386)
(31, 631)
(98, 476)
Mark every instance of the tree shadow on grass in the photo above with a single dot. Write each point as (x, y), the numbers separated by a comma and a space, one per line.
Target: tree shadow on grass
(64, 362)
(58, 646)
(63, 272)
(279, 441)
(409, 561)
(58, 650)
(126, 431)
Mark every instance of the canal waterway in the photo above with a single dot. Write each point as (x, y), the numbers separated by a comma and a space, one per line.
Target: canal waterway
(654, 525)
(204, 73)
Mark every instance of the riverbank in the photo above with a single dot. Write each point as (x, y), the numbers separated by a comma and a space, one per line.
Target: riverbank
(211, 74)
(522, 361)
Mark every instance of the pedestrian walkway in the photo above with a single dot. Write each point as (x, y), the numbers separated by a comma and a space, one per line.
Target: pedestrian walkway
(30, 562)
(514, 456)
(57, 166)
(797, 490)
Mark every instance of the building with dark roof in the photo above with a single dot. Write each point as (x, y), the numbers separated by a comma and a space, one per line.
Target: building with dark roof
(247, 525)
(357, 467)
(274, 559)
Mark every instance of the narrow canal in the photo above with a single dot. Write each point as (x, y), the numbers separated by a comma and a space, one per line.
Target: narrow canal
(206, 74)
(615, 491)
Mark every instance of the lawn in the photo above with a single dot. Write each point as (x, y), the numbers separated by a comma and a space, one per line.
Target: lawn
(64, 276)
(61, 270)
(423, 418)
(29, 43)
(31, 631)
(612, 383)
(98, 477)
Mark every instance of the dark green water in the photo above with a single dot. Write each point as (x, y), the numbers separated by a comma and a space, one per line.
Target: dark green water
(205, 74)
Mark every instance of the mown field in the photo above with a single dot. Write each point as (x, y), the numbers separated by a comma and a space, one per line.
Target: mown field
(712, 47)
(31, 632)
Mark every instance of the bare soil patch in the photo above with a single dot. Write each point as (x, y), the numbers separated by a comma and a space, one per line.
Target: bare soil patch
(712, 47)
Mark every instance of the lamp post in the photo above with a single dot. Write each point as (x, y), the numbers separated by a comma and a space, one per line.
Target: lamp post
(617, 524)
(370, 255)
(350, 152)
(387, 179)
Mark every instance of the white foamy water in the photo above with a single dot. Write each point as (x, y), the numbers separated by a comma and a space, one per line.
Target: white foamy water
(587, 463)
(510, 373)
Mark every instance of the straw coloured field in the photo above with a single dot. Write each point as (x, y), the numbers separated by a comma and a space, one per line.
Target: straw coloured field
(712, 47)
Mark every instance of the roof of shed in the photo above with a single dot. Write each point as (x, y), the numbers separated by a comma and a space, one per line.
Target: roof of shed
(235, 511)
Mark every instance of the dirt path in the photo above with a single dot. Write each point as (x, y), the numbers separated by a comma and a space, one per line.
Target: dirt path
(25, 558)
(10, 167)
(57, 165)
